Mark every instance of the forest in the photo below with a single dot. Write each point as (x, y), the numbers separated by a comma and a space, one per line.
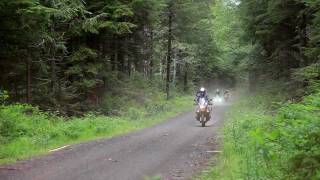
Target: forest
(56, 54)
(94, 68)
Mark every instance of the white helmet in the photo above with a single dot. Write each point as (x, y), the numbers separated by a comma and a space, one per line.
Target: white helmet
(202, 89)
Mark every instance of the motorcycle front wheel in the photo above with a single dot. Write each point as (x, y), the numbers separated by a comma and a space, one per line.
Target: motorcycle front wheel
(203, 120)
(203, 124)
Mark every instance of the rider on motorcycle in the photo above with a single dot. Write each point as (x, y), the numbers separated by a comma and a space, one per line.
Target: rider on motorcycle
(226, 92)
(202, 93)
(218, 92)
(226, 95)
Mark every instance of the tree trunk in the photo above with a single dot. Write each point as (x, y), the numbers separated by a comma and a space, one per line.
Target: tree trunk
(303, 41)
(121, 43)
(114, 57)
(169, 53)
(174, 77)
(129, 60)
(161, 68)
(29, 80)
(252, 80)
(185, 78)
(151, 57)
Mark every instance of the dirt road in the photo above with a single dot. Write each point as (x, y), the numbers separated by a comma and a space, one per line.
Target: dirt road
(175, 149)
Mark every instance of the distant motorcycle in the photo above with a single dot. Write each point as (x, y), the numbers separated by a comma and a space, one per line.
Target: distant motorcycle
(203, 113)
(226, 96)
(218, 99)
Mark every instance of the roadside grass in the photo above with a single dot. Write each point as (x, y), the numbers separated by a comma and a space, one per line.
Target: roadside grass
(236, 159)
(266, 139)
(26, 131)
(153, 178)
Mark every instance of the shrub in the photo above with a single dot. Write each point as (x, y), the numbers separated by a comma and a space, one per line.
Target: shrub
(26, 130)
(263, 143)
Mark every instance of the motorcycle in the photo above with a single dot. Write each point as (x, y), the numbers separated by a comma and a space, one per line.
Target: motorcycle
(204, 109)
(218, 99)
(226, 97)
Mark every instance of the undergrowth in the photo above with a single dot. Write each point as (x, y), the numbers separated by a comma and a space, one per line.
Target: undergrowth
(26, 130)
(267, 139)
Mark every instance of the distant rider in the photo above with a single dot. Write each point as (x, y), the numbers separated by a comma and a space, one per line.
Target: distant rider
(226, 95)
(218, 92)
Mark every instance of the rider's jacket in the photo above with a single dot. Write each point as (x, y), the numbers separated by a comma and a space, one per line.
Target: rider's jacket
(201, 95)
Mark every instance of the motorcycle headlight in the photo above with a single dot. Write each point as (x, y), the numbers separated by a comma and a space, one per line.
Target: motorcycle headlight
(202, 109)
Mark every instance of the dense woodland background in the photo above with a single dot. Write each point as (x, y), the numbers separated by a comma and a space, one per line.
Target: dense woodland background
(286, 41)
(71, 55)
(74, 70)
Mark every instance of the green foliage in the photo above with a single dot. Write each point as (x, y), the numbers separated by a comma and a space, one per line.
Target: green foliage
(131, 104)
(259, 145)
(311, 72)
(232, 58)
(285, 34)
(84, 69)
(71, 49)
(3, 96)
(27, 131)
(135, 92)
(298, 136)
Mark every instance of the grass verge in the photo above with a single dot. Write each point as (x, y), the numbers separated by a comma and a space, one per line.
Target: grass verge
(27, 131)
(266, 139)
